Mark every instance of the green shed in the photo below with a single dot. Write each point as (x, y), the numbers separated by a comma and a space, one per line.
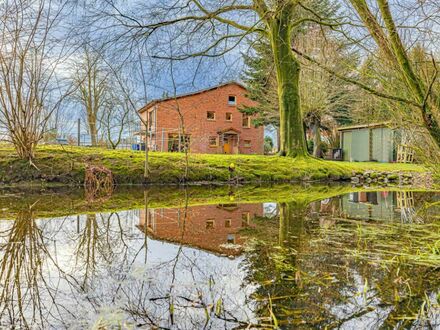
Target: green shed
(372, 142)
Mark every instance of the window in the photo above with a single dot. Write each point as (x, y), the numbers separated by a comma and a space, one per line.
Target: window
(246, 121)
(178, 143)
(247, 143)
(209, 224)
(210, 115)
(232, 100)
(228, 223)
(228, 116)
(245, 219)
(213, 141)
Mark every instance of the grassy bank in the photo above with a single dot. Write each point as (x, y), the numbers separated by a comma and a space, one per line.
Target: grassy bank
(66, 165)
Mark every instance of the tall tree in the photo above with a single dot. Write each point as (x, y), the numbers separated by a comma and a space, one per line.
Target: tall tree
(228, 23)
(324, 99)
(93, 90)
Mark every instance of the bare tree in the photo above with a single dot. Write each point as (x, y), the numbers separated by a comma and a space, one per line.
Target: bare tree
(220, 27)
(324, 98)
(91, 77)
(115, 119)
(31, 90)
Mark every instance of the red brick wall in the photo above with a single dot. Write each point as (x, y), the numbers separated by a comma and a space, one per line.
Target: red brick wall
(194, 109)
(197, 231)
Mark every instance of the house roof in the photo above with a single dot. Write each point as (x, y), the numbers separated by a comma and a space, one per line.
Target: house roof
(178, 239)
(154, 102)
(372, 125)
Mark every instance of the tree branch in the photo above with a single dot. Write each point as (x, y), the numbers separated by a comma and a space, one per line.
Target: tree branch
(357, 83)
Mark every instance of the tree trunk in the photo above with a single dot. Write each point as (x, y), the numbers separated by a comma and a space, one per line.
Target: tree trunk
(285, 219)
(93, 130)
(291, 227)
(23, 145)
(25, 151)
(292, 141)
(317, 140)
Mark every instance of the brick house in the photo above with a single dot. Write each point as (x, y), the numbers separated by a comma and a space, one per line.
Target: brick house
(214, 228)
(212, 123)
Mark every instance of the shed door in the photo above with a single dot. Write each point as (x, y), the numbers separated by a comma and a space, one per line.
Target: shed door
(378, 147)
(346, 146)
(382, 145)
(360, 146)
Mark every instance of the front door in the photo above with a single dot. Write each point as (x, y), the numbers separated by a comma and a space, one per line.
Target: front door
(230, 144)
(227, 146)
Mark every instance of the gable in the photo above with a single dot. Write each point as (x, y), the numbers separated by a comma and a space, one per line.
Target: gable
(183, 96)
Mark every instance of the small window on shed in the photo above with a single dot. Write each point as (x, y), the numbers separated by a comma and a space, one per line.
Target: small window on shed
(210, 115)
(232, 100)
(228, 116)
(247, 143)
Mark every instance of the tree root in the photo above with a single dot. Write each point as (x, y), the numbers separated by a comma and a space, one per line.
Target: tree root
(98, 182)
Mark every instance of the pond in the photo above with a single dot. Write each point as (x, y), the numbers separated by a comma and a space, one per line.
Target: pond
(287, 257)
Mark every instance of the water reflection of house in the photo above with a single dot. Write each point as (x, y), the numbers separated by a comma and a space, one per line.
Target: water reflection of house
(214, 228)
(371, 205)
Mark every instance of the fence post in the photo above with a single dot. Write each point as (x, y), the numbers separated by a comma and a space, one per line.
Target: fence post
(79, 132)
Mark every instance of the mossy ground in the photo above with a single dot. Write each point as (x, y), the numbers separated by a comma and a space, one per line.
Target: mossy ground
(66, 165)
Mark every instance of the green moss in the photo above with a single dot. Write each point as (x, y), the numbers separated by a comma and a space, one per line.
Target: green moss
(66, 165)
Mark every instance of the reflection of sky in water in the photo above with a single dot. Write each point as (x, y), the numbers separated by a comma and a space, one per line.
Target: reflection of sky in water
(96, 269)
(355, 303)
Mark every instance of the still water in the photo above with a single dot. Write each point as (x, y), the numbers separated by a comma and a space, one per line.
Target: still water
(254, 257)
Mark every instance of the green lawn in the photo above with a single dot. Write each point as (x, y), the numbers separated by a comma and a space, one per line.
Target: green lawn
(67, 164)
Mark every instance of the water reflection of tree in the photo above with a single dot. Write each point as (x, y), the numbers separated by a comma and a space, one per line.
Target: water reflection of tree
(302, 262)
(25, 294)
(274, 264)
(102, 254)
(304, 279)
(100, 242)
(103, 269)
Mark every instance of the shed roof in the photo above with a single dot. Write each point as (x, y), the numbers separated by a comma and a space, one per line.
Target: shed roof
(361, 126)
(153, 102)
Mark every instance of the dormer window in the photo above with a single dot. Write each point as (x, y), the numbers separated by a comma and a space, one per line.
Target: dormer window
(232, 100)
